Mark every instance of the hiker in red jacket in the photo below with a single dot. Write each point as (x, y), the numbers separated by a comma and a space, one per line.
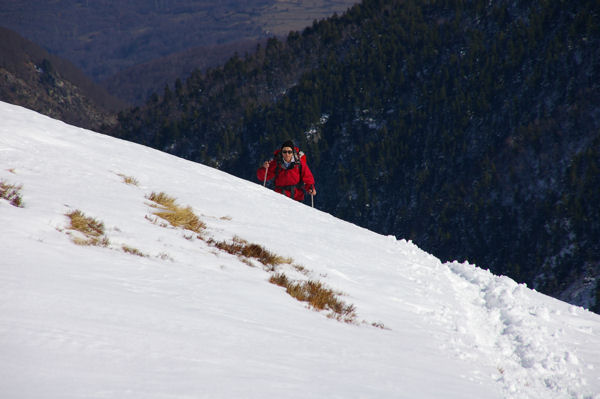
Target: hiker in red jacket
(292, 175)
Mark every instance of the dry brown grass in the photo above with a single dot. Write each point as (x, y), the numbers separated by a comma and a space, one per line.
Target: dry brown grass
(318, 296)
(246, 250)
(162, 199)
(177, 216)
(378, 324)
(133, 251)
(11, 193)
(301, 269)
(92, 229)
(129, 179)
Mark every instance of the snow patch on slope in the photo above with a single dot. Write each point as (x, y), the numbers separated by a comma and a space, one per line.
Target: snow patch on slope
(190, 321)
(520, 334)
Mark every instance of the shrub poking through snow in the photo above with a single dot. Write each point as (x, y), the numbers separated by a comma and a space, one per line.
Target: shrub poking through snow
(11, 193)
(318, 297)
(177, 216)
(91, 229)
(246, 250)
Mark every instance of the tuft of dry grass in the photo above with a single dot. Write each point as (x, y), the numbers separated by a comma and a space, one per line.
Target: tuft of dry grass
(378, 324)
(133, 251)
(243, 249)
(162, 199)
(280, 279)
(317, 295)
(11, 193)
(301, 269)
(129, 179)
(164, 256)
(92, 229)
(177, 216)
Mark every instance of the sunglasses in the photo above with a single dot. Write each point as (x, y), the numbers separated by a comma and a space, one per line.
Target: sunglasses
(286, 151)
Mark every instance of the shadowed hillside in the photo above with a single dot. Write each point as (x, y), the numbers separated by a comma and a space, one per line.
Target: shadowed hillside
(137, 83)
(105, 38)
(35, 79)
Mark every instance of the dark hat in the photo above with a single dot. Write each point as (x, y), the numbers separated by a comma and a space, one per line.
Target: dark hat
(288, 143)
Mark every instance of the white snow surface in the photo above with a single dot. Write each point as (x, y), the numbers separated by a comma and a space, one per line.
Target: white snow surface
(190, 321)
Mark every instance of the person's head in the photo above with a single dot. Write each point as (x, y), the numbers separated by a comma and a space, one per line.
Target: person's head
(287, 151)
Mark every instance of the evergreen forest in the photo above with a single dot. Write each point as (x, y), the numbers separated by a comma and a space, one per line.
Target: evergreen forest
(470, 127)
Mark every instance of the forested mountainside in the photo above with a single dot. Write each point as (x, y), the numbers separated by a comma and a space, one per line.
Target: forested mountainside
(470, 127)
(137, 83)
(33, 78)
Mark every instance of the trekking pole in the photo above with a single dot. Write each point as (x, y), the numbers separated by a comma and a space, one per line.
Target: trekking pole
(312, 200)
(265, 181)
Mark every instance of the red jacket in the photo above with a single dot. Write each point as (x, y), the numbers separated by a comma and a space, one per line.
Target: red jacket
(289, 180)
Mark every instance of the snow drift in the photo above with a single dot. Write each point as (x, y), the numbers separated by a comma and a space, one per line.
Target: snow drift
(176, 317)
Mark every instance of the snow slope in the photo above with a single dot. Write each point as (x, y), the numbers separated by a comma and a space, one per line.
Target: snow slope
(190, 321)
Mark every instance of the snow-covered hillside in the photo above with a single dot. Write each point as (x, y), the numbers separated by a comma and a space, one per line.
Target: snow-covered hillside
(188, 320)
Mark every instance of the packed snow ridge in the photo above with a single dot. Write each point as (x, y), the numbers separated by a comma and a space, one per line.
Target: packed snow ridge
(158, 312)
